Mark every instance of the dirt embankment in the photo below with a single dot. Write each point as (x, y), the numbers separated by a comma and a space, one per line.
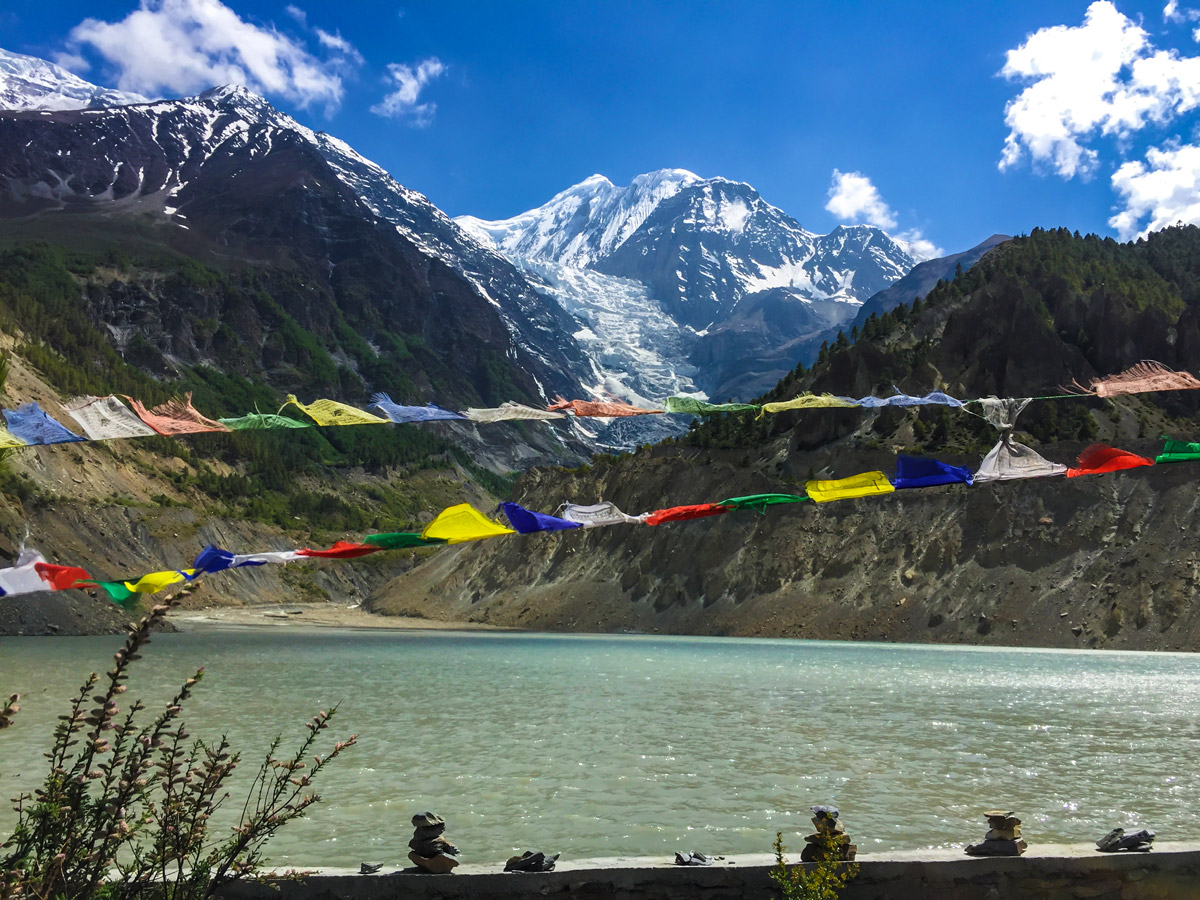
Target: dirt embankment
(1104, 562)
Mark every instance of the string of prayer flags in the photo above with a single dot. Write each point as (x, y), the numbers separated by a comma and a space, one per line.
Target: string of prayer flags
(461, 523)
(1178, 451)
(526, 521)
(341, 550)
(868, 484)
(1010, 460)
(699, 408)
(106, 418)
(932, 398)
(760, 502)
(600, 409)
(330, 412)
(261, 422)
(33, 425)
(509, 412)
(401, 540)
(1100, 458)
(598, 514)
(1143, 378)
(808, 401)
(923, 471)
(684, 513)
(403, 415)
(175, 417)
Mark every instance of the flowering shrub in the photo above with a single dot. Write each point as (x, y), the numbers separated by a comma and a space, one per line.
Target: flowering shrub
(125, 808)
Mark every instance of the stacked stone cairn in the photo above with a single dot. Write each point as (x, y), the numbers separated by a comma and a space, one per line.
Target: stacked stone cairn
(1003, 837)
(429, 849)
(830, 833)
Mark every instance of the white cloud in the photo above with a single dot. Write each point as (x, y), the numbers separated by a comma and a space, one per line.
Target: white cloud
(296, 13)
(918, 246)
(339, 44)
(853, 197)
(1103, 77)
(404, 101)
(183, 46)
(1159, 192)
(1172, 13)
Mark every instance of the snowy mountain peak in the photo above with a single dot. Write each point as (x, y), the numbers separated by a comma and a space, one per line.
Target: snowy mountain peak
(27, 82)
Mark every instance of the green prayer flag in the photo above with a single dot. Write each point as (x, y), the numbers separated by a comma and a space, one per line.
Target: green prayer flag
(700, 408)
(1178, 451)
(400, 540)
(761, 501)
(259, 421)
(117, 593)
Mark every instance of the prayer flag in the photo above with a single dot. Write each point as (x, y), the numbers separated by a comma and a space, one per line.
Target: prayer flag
(683, 513)
(33, 425)
(1178, 451)
(331, 412)
(867, 484)
(273, 557)
(598, 514)
(930, 399)
(700, 408)
(9, 441)
(1100, 458)
(1142, 378)
(106, 418)
(157, 581)
(212, 559)
(401, 540)
(176, 417)
(808, 401)
(262, 421)
(341, 550)
(117, 592)
(922, 471)
(601, 409)
(60, 578)
(461, 523)
(510, 411)
(526, 521)
(23, 578)
(761, 501)
(404, 414)
(1010, 460)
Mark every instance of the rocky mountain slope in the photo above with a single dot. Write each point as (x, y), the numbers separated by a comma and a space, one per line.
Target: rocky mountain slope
(1103, 561)
(734, 280)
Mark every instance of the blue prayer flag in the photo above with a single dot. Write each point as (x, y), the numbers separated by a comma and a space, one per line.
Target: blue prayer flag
(526, 521)
(32, 425)
(923, 471)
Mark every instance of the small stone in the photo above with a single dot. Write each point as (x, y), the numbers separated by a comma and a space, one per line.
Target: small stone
(435, 865)
(1003, 834)
(997, 848)
(1077, 630)
(427, 820)
(425, 832)
(433, 847)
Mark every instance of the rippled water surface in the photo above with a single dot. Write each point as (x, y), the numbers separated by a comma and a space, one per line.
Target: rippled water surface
(598, 746)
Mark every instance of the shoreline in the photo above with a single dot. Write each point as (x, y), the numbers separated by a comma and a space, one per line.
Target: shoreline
(311, 615)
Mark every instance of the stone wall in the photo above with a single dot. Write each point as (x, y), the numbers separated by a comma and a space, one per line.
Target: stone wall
(1073, 872)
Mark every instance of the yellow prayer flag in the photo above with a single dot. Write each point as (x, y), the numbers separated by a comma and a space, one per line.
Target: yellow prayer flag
(156, 581)
(331, 412)
(807, 401)
(464, 522)
(865, 485)
(8, 440)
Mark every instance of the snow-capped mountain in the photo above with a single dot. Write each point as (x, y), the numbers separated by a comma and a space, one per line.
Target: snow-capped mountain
(27, 82)
(155, 156)
(731, 273)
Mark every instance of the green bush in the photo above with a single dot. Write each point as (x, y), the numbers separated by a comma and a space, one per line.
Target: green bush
(823, 879)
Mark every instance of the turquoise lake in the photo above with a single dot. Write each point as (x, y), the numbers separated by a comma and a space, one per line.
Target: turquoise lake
(634, 745)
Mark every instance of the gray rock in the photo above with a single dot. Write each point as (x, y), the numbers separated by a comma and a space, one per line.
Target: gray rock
(427, 820)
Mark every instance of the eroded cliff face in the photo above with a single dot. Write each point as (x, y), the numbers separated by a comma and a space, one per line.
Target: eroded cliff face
(1101, 562)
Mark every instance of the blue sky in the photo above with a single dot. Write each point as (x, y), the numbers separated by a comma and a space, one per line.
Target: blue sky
(896, 113)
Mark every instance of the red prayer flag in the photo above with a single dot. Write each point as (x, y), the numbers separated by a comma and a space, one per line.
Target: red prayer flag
(1100, 458)
(60, 578)
(682, 513)
(341, 550)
